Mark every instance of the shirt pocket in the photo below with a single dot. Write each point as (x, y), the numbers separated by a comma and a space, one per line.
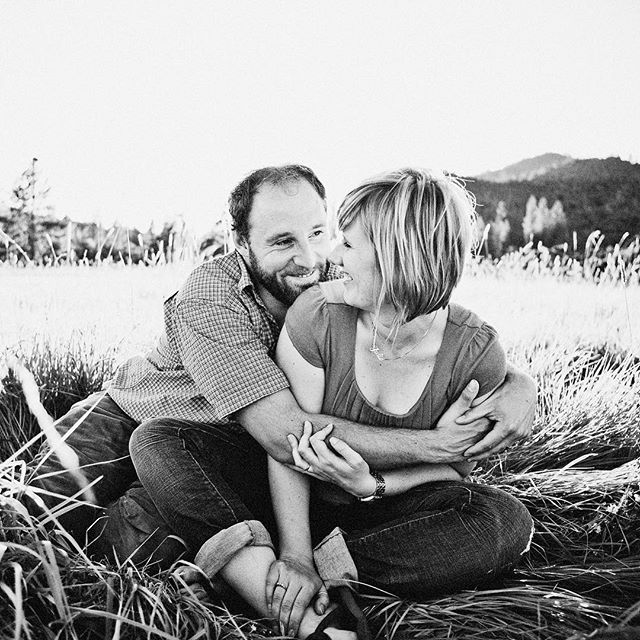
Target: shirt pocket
(132, 373)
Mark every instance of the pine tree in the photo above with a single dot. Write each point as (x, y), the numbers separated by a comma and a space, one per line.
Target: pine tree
(28, 208)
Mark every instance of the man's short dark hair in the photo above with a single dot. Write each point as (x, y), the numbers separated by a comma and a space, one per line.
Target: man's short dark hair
(241, 198)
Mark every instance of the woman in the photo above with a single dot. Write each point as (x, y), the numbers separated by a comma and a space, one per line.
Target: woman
(385, 347)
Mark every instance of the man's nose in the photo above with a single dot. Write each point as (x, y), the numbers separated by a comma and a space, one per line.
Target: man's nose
(305, 256)
(336, 255)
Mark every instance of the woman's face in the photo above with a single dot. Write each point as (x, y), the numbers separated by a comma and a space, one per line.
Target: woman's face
(357, 257)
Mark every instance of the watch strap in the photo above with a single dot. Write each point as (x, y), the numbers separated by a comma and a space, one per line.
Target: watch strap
(381, 486)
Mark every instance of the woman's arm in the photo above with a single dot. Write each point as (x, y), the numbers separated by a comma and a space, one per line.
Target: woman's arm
(293, 581)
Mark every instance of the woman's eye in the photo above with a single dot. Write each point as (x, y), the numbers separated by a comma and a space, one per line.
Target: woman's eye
(318, 233)
(346, 245)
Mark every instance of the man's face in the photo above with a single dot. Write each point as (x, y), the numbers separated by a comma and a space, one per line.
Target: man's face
(288, 240)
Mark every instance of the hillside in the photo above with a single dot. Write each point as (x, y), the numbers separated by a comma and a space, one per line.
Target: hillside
(594, 193)
(527, 169)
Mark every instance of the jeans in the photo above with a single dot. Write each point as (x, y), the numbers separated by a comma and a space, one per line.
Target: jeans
(436, 538)
(124, 523)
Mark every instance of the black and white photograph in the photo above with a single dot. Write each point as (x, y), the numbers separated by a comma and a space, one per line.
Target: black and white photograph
(319, 320)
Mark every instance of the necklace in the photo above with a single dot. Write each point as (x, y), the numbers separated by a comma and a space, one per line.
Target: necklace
(378, 353)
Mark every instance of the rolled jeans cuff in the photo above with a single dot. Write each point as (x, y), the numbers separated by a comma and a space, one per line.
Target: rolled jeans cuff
(334, 562)
(216, 552)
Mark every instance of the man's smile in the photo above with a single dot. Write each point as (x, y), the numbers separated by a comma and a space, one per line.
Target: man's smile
(303, 277)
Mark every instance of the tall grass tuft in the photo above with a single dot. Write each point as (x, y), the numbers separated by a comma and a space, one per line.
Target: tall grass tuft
(578, 474)
(64, 373)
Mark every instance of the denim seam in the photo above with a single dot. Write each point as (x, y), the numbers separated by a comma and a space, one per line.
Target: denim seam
(418, 519)
(206, 477)
(402, 524)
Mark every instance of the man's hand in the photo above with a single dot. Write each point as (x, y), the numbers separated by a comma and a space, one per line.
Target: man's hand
(291, 585)
(454, 438)
(335, 462)
(512, 406)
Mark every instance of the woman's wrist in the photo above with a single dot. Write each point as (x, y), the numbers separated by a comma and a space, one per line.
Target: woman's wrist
(293, 554)
(299, 549)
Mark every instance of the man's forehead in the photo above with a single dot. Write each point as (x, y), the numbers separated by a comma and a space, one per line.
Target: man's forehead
(286, 205)
(289, 187)
(281, 194)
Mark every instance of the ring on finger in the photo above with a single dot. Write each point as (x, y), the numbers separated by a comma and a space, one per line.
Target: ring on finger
(279, 584)
(309, 469)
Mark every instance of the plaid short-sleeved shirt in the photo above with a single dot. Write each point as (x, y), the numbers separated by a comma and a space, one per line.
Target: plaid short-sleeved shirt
(215, 355)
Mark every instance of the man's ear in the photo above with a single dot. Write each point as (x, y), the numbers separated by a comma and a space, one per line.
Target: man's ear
(241, 244)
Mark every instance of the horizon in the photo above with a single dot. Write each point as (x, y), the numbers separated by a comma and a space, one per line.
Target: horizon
(154, 224)
(151, 111)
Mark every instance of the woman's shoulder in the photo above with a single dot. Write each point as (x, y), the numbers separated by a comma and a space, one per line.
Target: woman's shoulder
(460, 316)
(333, 291)
(317, 314)
(322, 295)
(319, 296)
(476, 349)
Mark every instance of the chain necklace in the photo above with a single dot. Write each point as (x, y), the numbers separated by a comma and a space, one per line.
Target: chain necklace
(378, 353)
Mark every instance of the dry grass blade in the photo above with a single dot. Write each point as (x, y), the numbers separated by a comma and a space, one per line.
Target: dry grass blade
(520, 613)
(68, 458)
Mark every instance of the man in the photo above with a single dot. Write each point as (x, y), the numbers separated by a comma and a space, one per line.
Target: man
(210, 391)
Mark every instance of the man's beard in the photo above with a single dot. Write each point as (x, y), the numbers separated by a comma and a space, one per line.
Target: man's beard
(276, 284)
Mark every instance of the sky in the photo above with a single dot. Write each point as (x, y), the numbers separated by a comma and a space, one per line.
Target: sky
(148, 110)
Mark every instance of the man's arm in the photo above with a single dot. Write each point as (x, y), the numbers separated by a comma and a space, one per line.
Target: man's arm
(512, 406)
(270, 419)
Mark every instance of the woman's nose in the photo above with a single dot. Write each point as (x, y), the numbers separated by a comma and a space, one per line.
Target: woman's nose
(336, 255)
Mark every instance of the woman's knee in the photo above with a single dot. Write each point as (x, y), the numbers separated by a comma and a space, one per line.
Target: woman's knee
(511, 522)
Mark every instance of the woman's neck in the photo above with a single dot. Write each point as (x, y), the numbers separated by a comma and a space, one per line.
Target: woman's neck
(393, 339)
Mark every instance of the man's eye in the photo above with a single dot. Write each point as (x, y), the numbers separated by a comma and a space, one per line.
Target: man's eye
(282, 243)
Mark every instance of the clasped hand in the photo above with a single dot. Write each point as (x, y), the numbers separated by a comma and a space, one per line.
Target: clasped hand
(291, 586)
(331, 460)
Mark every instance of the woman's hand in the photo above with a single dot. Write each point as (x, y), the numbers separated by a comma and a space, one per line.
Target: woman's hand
(335, 462)
(291, 585)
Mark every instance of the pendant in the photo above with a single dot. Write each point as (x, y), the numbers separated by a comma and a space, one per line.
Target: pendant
(376, 352)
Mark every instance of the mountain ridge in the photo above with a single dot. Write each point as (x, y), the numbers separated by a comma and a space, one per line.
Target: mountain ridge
(556, 166)
(595, 193)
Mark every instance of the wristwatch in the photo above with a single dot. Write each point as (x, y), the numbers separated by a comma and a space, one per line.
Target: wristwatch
(381, 485)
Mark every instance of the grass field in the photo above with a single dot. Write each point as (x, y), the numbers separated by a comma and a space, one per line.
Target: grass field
(578, 473)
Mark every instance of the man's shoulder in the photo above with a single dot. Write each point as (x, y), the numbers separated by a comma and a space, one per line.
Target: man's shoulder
(215, 281)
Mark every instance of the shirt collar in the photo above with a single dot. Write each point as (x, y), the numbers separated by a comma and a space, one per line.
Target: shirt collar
(244, 281)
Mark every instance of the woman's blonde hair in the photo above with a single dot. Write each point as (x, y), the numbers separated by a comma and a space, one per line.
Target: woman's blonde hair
(421, 226)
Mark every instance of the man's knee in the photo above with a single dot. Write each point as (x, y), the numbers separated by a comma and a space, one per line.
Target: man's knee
(151, 432)
(98, 432)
